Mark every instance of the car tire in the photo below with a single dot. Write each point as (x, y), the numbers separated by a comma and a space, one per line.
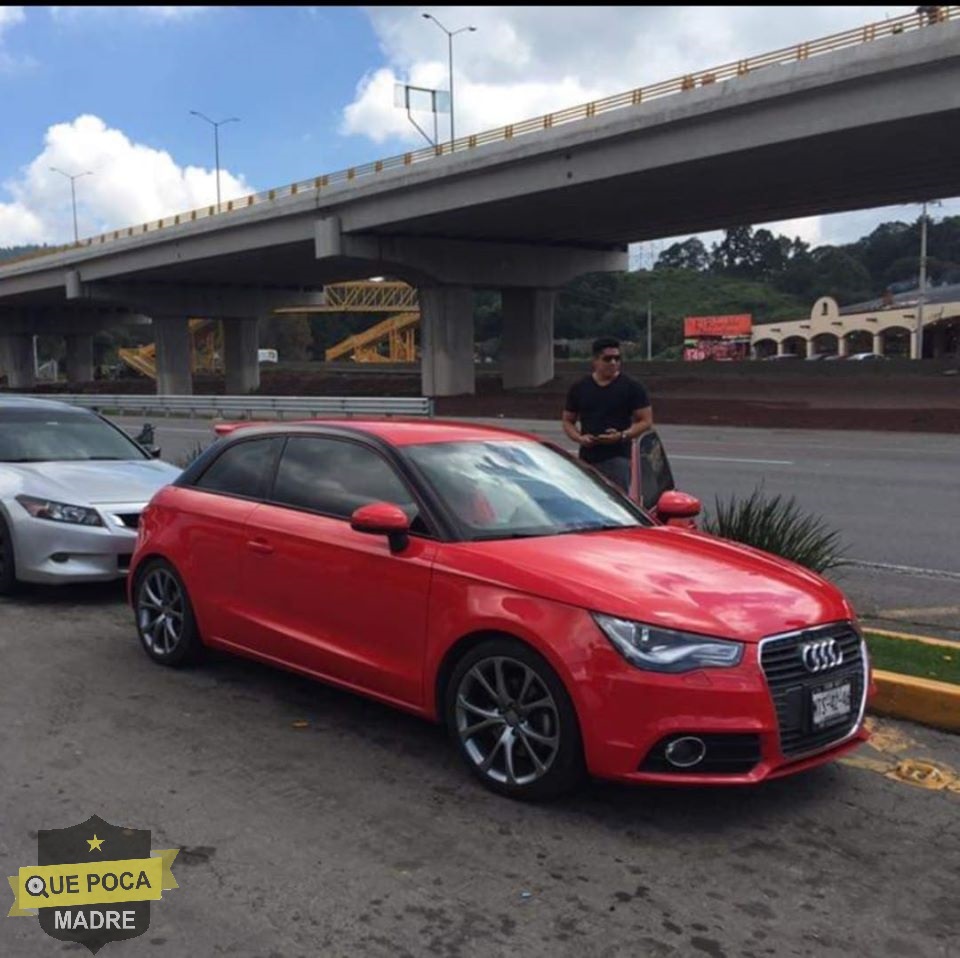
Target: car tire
(513, 721)
(166, 624)
(8, 566)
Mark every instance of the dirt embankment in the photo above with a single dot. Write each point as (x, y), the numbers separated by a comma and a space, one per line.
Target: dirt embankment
(901, 397)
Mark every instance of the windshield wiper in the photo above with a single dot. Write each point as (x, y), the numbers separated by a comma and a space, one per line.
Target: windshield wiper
(597, 528)
(487, 537)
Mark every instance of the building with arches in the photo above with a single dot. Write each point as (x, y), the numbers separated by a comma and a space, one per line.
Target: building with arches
(887, 326)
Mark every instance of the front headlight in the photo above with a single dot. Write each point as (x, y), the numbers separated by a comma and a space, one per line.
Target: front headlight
(60, 511)
(664, 650)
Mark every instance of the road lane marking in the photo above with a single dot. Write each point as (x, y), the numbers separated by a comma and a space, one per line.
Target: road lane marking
(762, 462)
(903, 569)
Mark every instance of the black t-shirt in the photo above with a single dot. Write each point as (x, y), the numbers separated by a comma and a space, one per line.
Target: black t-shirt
(600, 408)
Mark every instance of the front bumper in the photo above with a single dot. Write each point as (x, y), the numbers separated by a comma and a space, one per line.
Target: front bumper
(629, 715)
(61, 553)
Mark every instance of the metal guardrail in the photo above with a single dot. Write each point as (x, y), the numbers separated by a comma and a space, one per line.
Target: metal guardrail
(235, 407)
(924, 18)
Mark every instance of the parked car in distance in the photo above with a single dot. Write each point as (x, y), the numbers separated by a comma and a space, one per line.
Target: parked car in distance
(814, 357)
(72, 486)
(782, 356)
(489, 580)
(866, 357)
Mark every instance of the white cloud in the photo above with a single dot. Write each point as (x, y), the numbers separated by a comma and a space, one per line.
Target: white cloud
(10, 17)
(131, 183)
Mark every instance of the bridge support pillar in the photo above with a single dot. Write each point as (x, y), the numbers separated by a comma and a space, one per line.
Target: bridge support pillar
(79, 358)
(16, 360)
(526, 345)
(781, 349)
(446, 340)
(878, 343)
(241, 340)
(843, 347)
(174, 356)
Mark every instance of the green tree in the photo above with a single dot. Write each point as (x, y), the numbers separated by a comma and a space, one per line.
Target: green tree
(690, 254)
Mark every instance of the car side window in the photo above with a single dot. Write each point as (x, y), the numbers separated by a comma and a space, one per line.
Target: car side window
(336, 477)
(243, 469)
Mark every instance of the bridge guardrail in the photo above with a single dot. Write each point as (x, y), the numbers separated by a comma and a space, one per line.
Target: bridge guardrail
(924, 18)
(233, 407)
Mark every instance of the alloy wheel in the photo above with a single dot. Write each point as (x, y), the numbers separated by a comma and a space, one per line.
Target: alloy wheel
(160, 611)
(507, 721)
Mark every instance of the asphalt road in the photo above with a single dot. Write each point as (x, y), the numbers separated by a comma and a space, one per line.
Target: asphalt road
(895, 498)
(313, 822)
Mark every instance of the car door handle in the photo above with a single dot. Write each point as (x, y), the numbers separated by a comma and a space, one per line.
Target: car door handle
(260, 546)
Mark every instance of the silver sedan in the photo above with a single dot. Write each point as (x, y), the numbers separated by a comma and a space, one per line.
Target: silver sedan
(72, 487)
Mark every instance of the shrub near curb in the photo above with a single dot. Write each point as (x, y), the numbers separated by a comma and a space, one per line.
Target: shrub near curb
(921, 659)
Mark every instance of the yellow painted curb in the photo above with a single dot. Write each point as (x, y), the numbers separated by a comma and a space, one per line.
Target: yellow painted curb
(920, 700)
(926, 639)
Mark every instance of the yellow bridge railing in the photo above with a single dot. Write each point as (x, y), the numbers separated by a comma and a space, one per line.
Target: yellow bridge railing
(929, 18)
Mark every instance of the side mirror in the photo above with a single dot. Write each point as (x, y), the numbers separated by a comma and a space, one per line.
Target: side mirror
(383, 519)
(677, 505)
(155, 452)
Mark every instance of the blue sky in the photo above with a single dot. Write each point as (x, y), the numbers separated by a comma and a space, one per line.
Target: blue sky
(110, 90)
(286, 72)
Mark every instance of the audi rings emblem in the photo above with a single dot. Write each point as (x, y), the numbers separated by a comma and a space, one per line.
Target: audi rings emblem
(820, 656)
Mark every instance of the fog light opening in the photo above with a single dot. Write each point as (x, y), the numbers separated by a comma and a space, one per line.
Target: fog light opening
(60, 557)
(685, 752)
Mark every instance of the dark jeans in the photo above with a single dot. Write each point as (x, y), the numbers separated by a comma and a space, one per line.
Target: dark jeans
(617, 469)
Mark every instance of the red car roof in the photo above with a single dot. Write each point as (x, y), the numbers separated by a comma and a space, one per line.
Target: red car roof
(398, 432)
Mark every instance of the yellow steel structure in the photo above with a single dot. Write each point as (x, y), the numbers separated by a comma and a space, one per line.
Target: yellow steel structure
(206, 350)
(397, 332)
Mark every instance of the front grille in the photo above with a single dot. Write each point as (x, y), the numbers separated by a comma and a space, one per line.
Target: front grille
(726, 754)
(130, 519)
(791, 685)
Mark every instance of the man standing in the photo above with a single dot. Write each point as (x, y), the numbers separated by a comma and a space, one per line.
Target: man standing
(612, 409)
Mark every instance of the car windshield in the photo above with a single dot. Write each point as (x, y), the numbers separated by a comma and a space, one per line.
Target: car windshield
(46, 435)
(503, 489)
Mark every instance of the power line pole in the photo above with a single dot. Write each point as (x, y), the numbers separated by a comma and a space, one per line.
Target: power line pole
(923, 281)
(649, 329)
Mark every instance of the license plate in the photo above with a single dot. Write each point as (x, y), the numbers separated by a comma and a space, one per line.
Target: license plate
(830, 704)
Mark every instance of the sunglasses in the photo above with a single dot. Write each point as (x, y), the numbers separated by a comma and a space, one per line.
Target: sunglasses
(611, 359)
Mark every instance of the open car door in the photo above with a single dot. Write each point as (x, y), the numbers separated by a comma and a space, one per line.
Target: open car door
(650, 474)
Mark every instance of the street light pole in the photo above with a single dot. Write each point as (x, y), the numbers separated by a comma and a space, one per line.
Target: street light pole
(73, 195)
(216, 124)
(450, 35)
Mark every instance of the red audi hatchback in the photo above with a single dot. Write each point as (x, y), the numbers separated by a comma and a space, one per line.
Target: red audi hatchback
(488, 580)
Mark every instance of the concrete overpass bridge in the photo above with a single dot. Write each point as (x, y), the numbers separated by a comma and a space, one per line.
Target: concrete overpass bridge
(862, 119)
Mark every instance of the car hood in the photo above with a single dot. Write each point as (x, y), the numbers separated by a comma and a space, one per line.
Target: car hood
(662, 575)
(84, 482)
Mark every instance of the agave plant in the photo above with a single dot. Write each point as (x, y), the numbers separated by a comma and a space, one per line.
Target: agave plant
(777, 525)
